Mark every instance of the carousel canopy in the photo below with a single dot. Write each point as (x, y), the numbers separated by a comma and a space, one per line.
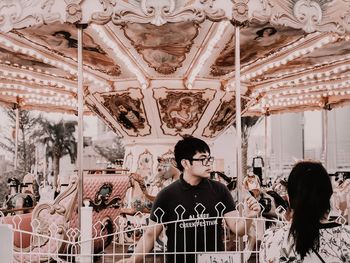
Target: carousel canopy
(158, 69)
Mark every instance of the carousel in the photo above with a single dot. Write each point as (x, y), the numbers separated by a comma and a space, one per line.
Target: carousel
(154, 71)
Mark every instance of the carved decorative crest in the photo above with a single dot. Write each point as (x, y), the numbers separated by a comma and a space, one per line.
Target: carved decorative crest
(310, 15)
(240, 10)
(19, 14)
(103, 200)
(73, 10)
(158, 12)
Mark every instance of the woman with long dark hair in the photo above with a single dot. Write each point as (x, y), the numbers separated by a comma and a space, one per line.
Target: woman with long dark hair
(309, 237)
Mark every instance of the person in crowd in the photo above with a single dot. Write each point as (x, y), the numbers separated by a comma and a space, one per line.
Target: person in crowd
(192, 207)
(309, 237)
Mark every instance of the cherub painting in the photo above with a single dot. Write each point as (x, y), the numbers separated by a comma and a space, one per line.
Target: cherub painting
(128, 110)
(65, 43)
(180, 111)
(182, 114)
(127, 113)
(164, 48)
(224, 115)
(256, 43)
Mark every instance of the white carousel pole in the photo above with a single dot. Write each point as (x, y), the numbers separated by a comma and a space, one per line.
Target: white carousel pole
(264, 178)
(16, 137)
(238, 113)
(80, 122)
(45, 165)
(325, 136)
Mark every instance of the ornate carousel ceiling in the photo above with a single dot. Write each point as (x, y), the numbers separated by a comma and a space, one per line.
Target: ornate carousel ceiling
(166, 68)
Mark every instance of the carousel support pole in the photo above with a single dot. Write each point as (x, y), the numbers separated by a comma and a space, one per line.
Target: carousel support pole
(265, 151)
(80, 122)
(239, 132)
(45, 165)
(16, 137)
(238, 115)
(325, 137)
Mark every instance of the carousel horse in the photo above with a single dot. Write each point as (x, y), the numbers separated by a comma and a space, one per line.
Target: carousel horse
(139, 205)
(137, 198)
(16, 199)
(166, 174)
(142, 194)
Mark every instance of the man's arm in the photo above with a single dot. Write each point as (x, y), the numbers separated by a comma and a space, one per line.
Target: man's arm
(146, 242)
(241, 226)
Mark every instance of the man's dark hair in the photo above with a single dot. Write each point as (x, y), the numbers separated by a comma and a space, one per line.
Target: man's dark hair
(187, 148)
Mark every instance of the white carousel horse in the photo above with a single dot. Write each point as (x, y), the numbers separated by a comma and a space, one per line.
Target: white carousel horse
(166, 174)
(137, 198)
(141, 194)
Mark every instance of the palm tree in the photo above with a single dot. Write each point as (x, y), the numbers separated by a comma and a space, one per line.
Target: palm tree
(60, 141)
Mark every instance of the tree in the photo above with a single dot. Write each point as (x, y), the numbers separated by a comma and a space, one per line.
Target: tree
(60, 141)
(26, 138)
(113, 152)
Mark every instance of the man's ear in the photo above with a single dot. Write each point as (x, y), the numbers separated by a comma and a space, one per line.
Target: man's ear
(185, 163)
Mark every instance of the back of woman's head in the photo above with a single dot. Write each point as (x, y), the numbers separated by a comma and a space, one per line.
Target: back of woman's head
(309, 191)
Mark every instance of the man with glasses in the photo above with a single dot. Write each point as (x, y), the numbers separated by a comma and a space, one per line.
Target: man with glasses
(191, 208)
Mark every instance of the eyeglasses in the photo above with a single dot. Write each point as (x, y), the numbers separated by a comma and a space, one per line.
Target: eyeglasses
(205, 161)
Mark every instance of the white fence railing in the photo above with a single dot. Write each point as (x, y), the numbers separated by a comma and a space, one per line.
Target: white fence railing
(95, 244)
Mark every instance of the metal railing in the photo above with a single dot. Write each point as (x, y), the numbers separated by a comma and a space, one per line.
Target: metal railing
(34, 242)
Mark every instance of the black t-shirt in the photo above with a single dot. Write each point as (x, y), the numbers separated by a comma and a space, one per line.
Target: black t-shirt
(180, 201)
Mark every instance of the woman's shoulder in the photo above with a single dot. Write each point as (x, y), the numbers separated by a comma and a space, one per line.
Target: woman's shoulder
(337, 230)
(274, 241)
(276, 236)
(335, 241)
(277, 230)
